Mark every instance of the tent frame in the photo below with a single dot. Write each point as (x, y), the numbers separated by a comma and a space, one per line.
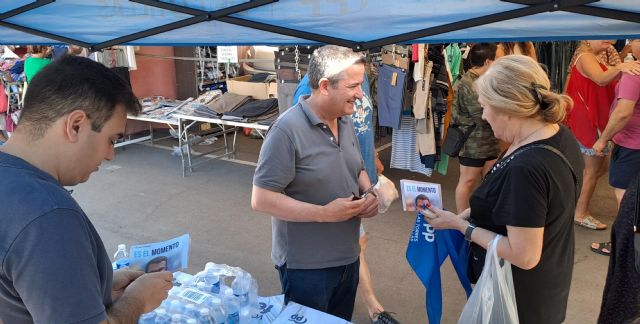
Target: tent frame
(531, 7)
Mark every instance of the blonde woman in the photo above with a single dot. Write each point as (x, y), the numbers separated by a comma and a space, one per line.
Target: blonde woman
(526, 197)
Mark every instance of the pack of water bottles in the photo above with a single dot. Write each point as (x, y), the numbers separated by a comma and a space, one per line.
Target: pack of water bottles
(207, 298)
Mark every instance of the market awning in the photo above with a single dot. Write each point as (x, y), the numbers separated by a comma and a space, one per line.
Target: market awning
(360, 24)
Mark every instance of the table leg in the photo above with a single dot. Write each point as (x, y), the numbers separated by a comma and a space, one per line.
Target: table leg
(188, 144)
(235, 135)
(224, 136)
(151, 133)
(180, 126)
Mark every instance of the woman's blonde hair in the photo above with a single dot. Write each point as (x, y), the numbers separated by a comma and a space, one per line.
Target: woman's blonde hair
(516, 85)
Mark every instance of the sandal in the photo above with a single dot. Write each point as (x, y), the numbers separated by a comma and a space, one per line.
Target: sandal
(603, 248)
(591, 223)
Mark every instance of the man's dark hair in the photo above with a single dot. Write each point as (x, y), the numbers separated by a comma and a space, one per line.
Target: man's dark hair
(481, 52)
(420, 197)
(155, 260)
(75, 83)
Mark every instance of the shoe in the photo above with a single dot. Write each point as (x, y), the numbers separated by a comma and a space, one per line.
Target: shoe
(591, 223)
(603, 248)
(384, 317)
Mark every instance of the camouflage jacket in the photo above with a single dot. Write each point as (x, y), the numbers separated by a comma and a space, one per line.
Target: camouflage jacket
(467, 112)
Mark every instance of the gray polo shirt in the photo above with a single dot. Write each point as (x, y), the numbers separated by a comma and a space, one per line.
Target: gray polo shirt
(301, 159)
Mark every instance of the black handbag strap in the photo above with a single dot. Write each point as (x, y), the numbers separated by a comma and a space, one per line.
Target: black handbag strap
(503, 163)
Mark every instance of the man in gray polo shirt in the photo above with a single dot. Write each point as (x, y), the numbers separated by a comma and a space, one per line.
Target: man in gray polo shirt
(309, 177)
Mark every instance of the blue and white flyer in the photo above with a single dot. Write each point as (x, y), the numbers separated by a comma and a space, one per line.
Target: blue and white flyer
(418, 195)
(171, 255)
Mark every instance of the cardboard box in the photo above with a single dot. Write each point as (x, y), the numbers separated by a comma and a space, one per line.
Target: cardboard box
(257, 90)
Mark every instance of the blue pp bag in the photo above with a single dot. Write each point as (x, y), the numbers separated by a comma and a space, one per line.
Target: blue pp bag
(427, 250)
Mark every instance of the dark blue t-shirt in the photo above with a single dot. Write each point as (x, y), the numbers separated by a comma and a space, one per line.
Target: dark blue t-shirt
(53, 264)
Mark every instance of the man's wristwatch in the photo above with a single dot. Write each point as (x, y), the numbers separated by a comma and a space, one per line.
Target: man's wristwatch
(468, 231)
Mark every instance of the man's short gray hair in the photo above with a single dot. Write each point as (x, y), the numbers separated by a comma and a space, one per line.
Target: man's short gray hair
(329, 62)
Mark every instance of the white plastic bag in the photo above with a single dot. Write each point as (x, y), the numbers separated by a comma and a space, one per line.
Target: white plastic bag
(493, 300)
(387, 193)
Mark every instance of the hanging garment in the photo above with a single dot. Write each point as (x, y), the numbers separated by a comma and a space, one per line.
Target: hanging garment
(425, 137)
(372, 75)
(442, 166)
(397, 55)
(363, 124)
(285, 95)
(453, 59)
(415, 50)
(130, 54)
(292, 63)
(404, 154)
(556, 56)
(391, 84)
(426, 251)
(419, 72)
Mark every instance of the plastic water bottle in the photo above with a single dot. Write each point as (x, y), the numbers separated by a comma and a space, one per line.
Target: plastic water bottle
(191, 311)
(176, 319)
(220, 272)
(629, 58)
(241, 286)
(218, 313)
(162, 317)
(245, 315)
(176, 307)
(204, 287)
(232, 306)
(204, 316)
(191, 321)
(211, 278)
(148, 318)
(175, 291)
(121, 257)
(253, 294)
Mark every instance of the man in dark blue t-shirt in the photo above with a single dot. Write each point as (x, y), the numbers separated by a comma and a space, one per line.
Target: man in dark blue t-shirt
(53, 264)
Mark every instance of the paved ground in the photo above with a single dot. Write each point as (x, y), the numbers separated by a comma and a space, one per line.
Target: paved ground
(142, 197)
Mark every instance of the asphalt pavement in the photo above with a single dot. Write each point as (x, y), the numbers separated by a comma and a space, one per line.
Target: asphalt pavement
(141, 197)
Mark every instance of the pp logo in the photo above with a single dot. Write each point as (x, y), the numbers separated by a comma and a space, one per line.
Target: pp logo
(298, 319)
(429, 233)
(264, 308)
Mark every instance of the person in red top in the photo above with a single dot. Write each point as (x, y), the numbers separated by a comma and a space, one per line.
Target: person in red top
(591, 86)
